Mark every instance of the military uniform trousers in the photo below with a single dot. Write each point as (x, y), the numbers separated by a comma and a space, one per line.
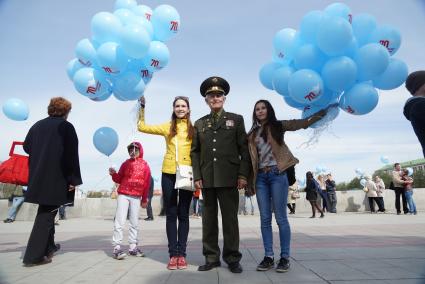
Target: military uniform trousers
(228, 199)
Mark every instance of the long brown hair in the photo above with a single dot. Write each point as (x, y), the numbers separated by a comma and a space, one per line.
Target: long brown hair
(173, 126)
(272, 123)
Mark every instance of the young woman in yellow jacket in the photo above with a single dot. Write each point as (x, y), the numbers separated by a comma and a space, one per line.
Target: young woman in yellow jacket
(178, 135)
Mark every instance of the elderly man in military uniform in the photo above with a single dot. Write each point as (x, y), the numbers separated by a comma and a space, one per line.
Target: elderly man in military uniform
(220, 161)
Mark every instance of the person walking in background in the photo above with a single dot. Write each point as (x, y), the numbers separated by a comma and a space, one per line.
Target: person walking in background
(54, 172)
(380, 190)
(18, 197)
(399, 185)
(133, 177)
(220, 161)
(178, 134)
(414, 108)
(408, 188)
(196, 204)
(372, 195)
(149, 206)
(312, 192)
(331, 191)
(272, 172)
(293, 192)
(242, 202)
(323, 193)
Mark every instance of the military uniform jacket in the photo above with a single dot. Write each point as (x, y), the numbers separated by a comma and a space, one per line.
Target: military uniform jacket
(219, 152)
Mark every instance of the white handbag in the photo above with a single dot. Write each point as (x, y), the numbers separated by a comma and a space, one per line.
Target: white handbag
(184, 174)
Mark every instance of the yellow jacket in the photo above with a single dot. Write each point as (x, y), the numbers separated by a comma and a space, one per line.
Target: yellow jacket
(169, 164)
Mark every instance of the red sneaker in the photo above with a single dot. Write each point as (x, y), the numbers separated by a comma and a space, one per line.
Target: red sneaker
(181, 262)
(172, 264)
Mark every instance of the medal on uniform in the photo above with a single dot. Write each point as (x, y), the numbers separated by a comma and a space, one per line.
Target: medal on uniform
(230, 123)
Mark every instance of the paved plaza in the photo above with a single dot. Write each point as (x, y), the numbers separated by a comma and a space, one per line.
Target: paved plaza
(344, 248)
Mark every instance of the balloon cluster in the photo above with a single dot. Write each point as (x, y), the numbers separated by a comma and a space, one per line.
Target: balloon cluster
(126, 48)
(334, 59)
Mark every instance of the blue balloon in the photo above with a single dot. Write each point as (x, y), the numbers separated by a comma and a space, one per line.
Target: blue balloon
(329, 97)
(102, 98)
(91, 83)
(372, 60)
(266, 74)
(305, 86)
(129, 86)
(385, 160)
(339, 10)
(72, 67)
(308, 56)
(359, 172)
(292, 103)
(112, 58)
(157, 56)
(387, 36)
(105, 27)
(126, 16)
(409, 171)
(285, 43)
(362, 25)
(363, 182)
(143, 11)
(281, 78)
(301, 182)
(339, 73)
(361, 99)
(166, 22)
(146, 24)
(125, 4)
(135, 40)
(16, 109)
(395, 75)
(309, 25)
(105, 139)
(334, 35)
(86, 53)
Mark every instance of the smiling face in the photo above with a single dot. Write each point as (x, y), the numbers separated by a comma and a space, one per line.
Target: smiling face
(134, 152)
(181, 108)
(215, 101)
(261, 112)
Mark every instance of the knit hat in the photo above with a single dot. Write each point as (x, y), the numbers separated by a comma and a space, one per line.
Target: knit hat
(414, 81)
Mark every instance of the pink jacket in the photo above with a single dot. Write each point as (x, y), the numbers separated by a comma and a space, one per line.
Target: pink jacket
(134, 177)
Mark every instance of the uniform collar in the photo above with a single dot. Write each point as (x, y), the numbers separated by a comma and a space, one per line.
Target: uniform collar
(219, 113)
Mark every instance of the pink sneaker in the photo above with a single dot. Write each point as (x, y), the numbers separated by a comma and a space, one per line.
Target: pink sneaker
(172, 264)
(181, 262)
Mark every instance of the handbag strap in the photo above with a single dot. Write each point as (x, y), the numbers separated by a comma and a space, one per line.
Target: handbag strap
(12, 149)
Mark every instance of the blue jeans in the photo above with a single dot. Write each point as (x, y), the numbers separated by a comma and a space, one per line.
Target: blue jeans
(410, 202)
(177, 205)
(16, 204)
(272, 192)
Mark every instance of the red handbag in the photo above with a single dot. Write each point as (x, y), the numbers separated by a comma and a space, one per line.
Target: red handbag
(15, 169)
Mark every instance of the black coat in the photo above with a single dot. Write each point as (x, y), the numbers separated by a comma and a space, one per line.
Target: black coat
(312, 190)
(52, 145)
(414, 110)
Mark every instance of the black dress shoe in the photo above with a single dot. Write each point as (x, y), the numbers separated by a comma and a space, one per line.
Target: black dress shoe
(53, 251)
(209, 265)
(235, 267)
(149, 219)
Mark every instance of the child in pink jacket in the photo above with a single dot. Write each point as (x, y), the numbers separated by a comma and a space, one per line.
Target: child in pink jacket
(133, 178)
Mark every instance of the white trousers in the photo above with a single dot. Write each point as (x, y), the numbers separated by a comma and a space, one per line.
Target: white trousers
(126, 205)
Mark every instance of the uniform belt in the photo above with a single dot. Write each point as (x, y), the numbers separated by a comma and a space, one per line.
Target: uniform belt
(267, 169)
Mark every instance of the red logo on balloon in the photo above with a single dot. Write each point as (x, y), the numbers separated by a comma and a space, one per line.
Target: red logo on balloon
(280, 55)
(311, 96)
(85, 63)
(386, 43)
(155, 63)
(350, 18)
(109, 70)
(144, 73)
(148, 16)
(93, 90)
(174, 26)
(349, 109)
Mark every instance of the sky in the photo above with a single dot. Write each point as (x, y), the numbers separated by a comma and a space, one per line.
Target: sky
(231, 39)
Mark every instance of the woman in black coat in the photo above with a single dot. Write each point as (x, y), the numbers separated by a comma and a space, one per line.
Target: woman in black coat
(54, 171)
(312, 191)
